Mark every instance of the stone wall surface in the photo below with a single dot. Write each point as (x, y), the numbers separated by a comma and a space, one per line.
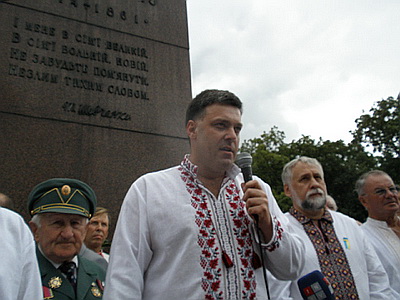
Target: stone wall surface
(91, 89)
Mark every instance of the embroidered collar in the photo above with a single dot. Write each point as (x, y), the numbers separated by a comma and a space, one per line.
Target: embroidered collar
(303, 219)
(192, 168)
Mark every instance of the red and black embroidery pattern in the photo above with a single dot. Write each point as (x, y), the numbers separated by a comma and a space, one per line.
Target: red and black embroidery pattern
(331, 256)
(231, 217)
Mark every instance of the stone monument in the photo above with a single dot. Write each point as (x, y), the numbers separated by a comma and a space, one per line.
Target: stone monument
(91, 89)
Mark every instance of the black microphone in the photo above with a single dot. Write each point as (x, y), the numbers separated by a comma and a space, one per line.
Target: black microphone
(243, 161)
(315, 286)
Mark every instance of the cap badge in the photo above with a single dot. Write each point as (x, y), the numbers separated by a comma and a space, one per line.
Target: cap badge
(66, 190)
(55, 282)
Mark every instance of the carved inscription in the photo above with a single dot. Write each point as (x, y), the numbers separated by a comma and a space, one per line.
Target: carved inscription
(77, 60)
(89, 110)
(94, 6)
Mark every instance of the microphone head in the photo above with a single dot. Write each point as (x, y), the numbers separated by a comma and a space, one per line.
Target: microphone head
(315, 286)
(243, 160)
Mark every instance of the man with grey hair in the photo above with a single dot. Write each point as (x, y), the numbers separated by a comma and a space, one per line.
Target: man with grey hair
(379, 195)
(60, 210)
(335, 244)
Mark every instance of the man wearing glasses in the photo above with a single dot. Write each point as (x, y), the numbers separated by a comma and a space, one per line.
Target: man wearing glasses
(380, 196)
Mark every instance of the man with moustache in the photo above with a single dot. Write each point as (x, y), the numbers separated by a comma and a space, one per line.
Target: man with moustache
(379, 195)
(60, 210)
(188, 233)
(335, 243)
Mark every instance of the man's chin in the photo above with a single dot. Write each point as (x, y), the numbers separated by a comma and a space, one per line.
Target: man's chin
(96, 244)
(61, 256)
(67, 248)
(314, 204)
(228, 156)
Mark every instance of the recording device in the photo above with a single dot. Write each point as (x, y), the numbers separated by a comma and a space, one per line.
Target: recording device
(243, 161)
(314, 286)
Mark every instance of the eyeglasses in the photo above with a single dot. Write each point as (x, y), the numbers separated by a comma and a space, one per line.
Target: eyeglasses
(382, 192)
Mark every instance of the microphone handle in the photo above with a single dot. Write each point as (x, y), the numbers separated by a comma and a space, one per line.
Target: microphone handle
(247, 176)
(247, 173)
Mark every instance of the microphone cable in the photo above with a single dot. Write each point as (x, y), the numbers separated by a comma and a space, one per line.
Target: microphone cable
(262, 257)
(244, 161)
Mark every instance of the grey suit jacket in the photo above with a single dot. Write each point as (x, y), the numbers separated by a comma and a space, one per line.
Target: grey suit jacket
(94, 257)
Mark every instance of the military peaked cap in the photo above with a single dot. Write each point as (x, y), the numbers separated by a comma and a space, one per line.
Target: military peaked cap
(62, 195)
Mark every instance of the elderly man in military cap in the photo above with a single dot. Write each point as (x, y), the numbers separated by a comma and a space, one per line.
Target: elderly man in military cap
(60, 210)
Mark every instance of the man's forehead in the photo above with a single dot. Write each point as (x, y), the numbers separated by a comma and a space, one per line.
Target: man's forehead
(302, 168)
(60, 216)
(217, 108)
(374, 181)
(100, 217)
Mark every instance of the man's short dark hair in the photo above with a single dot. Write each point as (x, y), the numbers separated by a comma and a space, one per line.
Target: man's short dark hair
(208, 97)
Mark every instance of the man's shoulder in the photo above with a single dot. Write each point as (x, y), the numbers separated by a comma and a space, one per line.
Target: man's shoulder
(345, 221)
(12, 221)
(165, 174)
(92, 256)
(375, 227)
(91, 267)
(343, 217)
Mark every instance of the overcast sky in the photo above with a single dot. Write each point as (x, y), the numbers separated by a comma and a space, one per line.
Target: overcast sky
(309, 67)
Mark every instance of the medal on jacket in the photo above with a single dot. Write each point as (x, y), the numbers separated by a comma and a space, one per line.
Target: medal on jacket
(100, 284)
(47, 293)
(95, 290)
(55, 282)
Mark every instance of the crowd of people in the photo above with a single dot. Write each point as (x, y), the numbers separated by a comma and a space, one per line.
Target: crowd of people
(199, 230)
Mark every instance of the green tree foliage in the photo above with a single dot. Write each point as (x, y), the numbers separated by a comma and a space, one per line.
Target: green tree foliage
(380, 129)
(342, 163)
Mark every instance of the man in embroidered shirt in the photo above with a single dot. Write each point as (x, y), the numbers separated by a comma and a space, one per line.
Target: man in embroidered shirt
(379, 195)
(60, 209)
(186, 232)
(335, 243)
(19, 271)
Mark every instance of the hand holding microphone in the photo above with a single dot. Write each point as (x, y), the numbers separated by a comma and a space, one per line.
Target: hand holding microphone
(255, 198)
(244, 161)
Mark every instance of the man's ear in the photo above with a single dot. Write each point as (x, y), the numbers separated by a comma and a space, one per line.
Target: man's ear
(191, 129)
(34, 228)
(363, 201)
(287, 191)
